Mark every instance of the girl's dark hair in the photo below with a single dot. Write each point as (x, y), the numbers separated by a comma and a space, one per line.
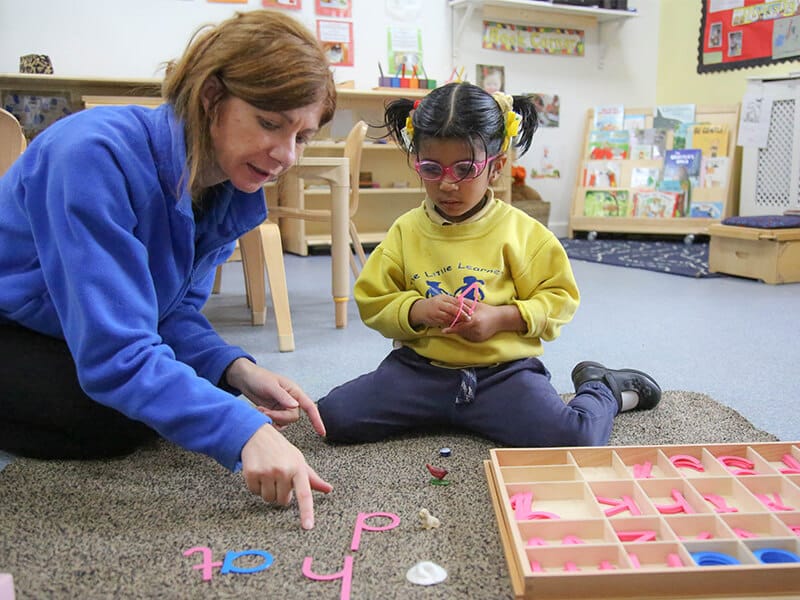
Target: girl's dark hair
(461, 111)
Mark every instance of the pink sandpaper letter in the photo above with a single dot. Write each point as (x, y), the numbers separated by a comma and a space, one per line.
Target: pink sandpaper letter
(361, 520)
(673, 560)
(207, 564)
(792, 464)
(6, 586)
(521, 504)
(720, 505)
(346, 575)
(643, 471)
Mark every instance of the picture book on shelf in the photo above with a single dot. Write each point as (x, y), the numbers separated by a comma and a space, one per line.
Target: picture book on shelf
(682, 136)
(608, 145)
(713, 171)
(670, 116)
(657, 205)
(707, 210)
(608, 118)
(634, 121)
(601, 203)
(644, 178)
(682, 164)
(602, 173)
(711, 140)
(650, 143)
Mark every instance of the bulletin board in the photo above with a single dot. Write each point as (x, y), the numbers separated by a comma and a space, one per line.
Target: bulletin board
(736, 34)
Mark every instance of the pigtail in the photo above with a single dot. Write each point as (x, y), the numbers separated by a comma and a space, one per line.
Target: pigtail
(529, 123)
(394, 120)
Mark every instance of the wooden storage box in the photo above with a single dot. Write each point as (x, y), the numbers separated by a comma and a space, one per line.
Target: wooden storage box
(772, 255)
(638, 522)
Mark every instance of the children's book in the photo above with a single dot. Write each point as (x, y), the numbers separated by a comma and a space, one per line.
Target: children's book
(680, 165)
(607, 204)
(670, 116)
(608, 145)
(711, 140)
(714, 171)
(656, 204)
(682, 137)
(650, 143)
(634, 121)
(707, 210)
(609, 118)
(644, 178)
(602, 173)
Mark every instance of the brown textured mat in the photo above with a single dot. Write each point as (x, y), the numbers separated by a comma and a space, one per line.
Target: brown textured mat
(117, 529)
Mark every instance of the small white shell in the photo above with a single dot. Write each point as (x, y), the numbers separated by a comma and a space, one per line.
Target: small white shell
(426, 573)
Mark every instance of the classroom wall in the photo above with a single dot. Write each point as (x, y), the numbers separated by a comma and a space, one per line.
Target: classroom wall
(618, 67)
(678, 80)
(124, 39)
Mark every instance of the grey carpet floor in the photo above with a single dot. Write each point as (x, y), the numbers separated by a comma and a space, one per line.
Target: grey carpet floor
(118, 529)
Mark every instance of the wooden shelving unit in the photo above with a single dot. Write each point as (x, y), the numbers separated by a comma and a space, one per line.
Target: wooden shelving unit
(378, 207)
(728, 194)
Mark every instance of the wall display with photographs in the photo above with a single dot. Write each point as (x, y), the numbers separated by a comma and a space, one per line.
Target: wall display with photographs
(735, 34)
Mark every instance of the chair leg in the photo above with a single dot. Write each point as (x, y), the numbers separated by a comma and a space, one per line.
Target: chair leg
(255, 285)
(276, 273)
(358, 250)
(217, 280)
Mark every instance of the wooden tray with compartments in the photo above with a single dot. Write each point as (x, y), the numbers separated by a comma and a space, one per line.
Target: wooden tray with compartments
(688, 521)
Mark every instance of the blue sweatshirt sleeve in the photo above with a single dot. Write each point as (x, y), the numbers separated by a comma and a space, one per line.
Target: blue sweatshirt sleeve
(100, 278)
(193, 339)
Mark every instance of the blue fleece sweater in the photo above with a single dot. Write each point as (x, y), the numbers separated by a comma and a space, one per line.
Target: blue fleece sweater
(98, 248)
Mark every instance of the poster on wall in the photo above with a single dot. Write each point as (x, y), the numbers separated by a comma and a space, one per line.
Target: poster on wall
(532, 40)
(337, 41)
(293, 4)
(335, 8)
(548, 109)
(492, 78)
(735, 34)
(405, 50)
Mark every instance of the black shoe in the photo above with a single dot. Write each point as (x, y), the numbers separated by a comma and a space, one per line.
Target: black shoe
(618, 381)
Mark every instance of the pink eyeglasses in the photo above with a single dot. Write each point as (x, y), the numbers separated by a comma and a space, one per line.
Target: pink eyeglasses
(430, 170)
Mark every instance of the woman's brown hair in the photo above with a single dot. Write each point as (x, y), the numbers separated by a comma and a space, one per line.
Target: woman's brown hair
(263, 57)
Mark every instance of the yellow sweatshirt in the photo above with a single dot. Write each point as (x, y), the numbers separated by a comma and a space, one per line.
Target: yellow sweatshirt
(513, 258)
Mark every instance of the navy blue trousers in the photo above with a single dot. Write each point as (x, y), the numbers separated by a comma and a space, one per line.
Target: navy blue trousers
(512, 404)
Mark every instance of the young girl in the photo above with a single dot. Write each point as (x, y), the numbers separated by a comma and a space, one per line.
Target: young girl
(468, 287)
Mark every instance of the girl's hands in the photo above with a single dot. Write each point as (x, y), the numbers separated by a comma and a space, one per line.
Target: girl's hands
(477, 321)
(437, 311)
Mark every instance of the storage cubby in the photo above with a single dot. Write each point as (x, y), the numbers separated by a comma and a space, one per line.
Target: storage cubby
(582, 551)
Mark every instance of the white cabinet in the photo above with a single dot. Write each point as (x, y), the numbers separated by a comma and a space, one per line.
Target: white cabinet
(771, 175)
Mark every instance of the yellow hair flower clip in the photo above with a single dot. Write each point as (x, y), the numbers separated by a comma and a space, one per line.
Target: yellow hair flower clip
(513, 121)
(408, 132)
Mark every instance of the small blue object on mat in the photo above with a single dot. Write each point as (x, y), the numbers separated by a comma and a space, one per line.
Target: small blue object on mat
(765, 221)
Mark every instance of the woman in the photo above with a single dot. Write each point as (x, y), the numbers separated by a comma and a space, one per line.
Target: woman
(114, 220)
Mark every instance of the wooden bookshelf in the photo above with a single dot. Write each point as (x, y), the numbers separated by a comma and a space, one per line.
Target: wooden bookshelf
(727, 194)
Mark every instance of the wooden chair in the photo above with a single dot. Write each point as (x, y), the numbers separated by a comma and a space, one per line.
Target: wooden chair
(263, 241)
(12, 140)
(353, 146)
